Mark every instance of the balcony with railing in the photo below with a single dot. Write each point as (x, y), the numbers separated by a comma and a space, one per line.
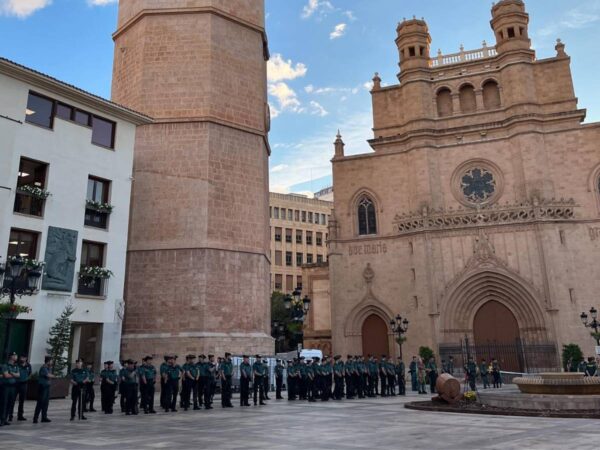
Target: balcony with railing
(463, 56)
(92, 286)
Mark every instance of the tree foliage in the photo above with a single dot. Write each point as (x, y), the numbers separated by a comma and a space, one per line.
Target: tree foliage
(572, 353)
(59, 340)
(426, 353)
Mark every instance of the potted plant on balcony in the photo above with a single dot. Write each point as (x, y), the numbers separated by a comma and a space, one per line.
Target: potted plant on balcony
(58, 346)
(89, 274)
(12, 310)
(104, 208)
(34, 191)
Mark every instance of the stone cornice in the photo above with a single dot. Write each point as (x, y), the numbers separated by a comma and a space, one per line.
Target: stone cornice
(197, 10)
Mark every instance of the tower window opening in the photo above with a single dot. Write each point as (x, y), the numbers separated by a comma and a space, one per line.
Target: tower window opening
(511, 32)
(412, 51)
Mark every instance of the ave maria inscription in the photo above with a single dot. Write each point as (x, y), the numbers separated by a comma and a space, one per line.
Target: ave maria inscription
(367, 249)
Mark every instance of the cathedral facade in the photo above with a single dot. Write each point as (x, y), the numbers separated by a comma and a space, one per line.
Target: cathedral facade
(477, 215)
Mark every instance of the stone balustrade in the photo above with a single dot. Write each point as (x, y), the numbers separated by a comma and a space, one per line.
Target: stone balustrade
(463, 56)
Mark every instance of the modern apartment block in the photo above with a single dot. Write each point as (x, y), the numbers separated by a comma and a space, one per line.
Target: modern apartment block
(298, 237)
(65, 182)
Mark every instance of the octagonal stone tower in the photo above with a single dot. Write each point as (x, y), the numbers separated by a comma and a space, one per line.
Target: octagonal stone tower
(198, 256)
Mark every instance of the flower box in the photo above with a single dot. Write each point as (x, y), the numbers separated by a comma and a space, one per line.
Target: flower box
(104, 208)
(12, 310)
(34, 191)
(94, 273)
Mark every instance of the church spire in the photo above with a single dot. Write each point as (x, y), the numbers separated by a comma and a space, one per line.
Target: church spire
(339, 146)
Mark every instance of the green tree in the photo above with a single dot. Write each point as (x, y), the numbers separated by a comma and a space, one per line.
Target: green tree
(426, 353)
(60, 339)
(571, 352)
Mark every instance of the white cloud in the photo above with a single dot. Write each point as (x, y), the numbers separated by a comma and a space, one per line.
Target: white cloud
(101, 2)
(350, 15)
(580, 17)
(338, 31)
(317, 109)
(278, 69)
(285, 96)
(310, 158)
(308, 89)
(279, 168)
(316, 6)
(368, 85)
(22, 8)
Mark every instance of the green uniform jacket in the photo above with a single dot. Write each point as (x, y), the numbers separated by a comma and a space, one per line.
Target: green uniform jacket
(246, 369)
(79, 375)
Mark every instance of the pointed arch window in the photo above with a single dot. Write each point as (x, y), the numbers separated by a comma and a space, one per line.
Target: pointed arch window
(367, 218)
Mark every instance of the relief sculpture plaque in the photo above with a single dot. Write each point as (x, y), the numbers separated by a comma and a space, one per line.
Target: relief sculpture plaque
(61, 254)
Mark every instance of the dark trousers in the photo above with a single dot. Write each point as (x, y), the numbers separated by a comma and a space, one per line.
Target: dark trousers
(338, 390)
(267, 386)
(259, 385)
(414, 383)
(7, 394)
(207, 392)
(486, 380)
(163, 394)
(200, 390)
(42, 403)
(383, 385)
(401, 385)
(349, 387)
(107, 397)
(88, 399)
(186, 392)
(432, 379)
(278, 386)
(302, 384)
(376, 384)
(147, 395)
(226, 391)
(292, 387)
(472, 384)
(311, 388)
(21, 393)
(122, 396)
(77, 400)
(129, 391)
(172, 389)
(244, 391)
(391, 383)
(11, 397)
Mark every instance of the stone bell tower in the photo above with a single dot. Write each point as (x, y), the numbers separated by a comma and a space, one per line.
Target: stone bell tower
(198, 254)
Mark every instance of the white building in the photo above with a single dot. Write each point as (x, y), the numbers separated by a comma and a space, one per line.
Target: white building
(79, 148)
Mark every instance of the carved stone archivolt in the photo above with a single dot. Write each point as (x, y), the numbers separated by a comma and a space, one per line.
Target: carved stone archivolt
(484, 278)
(551, 210)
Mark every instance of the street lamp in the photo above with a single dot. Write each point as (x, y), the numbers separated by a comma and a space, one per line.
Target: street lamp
(299, 308)
(399, 328)
(593, 324)
(278, 333)
(18, 277)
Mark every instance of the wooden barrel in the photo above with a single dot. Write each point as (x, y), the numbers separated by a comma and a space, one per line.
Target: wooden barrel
(448, 388)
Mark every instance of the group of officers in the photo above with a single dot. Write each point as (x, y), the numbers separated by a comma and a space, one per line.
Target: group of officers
(335, 378)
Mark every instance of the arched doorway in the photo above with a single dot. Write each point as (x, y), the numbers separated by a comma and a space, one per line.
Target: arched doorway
(496, 334)
(375, 336)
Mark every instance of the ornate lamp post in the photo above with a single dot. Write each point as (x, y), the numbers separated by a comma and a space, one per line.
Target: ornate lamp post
(278, 333)
(399, 328)
(594, 324)
(298, 308)
(18, 277)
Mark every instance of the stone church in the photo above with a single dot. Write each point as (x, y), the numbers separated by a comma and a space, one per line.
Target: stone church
(198, 253)
(476, 216)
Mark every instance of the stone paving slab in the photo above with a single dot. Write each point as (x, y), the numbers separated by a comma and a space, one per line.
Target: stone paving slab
(354, 424)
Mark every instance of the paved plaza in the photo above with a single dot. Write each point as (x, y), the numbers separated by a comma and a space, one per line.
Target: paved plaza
(369, 423)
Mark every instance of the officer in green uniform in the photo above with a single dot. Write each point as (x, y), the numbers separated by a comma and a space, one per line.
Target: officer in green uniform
(279, 379)
(581, 366)
(303, 379)
(226, 370)
(122, 385)
(348, 370)
(414, 374)
(12, 381)
(202, 374)
(310, 380)
(266, 379)
(245, 377)
(108, 386)
(172, 376)
(194, 376)
(383, 367)
(432, 372)
(401, 376)
(209, 387)
(79, 378)
(391, 381)
(471, 373)
(338, 377)
(129, 380)
(258, 371)
(21, 387)
(496, 377)
(292, 371)
(591, 368)
(328, 378)
(483, 373)
(89, 394)
(187, 382)
(147, 377)
(163, 388)
(43, 398)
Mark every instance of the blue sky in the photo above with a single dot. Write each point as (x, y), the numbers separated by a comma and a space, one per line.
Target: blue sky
(324, 52)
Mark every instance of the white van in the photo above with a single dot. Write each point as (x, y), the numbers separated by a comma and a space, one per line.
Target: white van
(310, 354)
